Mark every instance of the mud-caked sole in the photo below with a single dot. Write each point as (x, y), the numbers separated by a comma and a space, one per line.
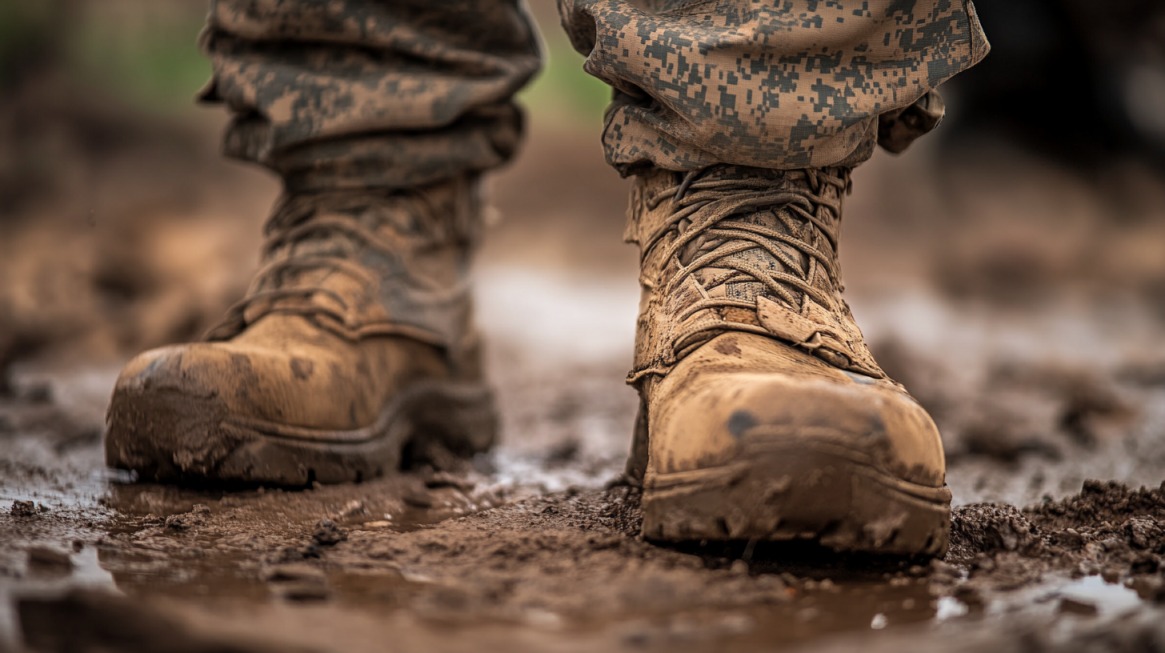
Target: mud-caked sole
(170, 436)
(812, 491)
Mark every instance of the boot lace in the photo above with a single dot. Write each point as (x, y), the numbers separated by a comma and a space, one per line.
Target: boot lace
(710, 221)
(280, 285)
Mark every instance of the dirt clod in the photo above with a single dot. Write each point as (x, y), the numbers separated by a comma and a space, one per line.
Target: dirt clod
(986, 529)
(23, 509)
(328, 533)
(187, 520)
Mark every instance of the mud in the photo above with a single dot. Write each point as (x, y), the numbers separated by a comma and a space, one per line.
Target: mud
(536, 546)
(262, 571)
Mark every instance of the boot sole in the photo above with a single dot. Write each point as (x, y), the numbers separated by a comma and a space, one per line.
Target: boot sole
(817, 491)
(169, 436)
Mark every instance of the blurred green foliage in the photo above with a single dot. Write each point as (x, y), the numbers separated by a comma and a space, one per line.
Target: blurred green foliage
(563, 94)
(145, 53)
(152, 61)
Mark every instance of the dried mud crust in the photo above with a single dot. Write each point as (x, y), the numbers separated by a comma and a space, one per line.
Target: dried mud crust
(169, 436)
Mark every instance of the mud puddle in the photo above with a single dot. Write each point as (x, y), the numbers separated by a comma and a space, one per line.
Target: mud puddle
(565, 571)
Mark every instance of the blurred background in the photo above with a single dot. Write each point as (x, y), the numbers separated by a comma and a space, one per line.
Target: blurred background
(1010, 268)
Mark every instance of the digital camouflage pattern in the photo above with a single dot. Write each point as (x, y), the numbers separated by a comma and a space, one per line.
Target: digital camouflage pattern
(773, 84)
(357, 93)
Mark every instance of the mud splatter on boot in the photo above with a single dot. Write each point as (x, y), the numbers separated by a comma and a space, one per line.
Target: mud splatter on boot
(354, 341)
(763, 414)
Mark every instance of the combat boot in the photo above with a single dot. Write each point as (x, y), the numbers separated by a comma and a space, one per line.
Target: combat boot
(763, 415)
(354, 342)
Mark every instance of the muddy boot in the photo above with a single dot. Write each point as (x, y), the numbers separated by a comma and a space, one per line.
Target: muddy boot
(763, 415)
(354, 342)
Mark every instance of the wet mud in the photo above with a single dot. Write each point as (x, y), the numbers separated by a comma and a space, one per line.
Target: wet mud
(536, 546)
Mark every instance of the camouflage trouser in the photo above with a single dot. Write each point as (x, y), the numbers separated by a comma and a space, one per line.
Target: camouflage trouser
(398, 92)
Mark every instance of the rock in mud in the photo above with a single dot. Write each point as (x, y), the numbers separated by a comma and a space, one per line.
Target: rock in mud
(302, 591)
(352, 509)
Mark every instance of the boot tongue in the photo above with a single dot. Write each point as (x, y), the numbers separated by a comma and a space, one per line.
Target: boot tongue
(317, 245)
(759, 257)
(369, 262)
(793, 262)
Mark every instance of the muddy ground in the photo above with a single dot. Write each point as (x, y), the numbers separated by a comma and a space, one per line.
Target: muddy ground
(1020, 300)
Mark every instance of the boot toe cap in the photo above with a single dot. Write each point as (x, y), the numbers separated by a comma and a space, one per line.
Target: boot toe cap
(165, 415)
(724, 413)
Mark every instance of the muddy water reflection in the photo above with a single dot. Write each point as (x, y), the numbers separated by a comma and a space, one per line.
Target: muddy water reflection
(220, 548)
(217, 551)
(252, 551)
(843, 607)
(187, 544)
